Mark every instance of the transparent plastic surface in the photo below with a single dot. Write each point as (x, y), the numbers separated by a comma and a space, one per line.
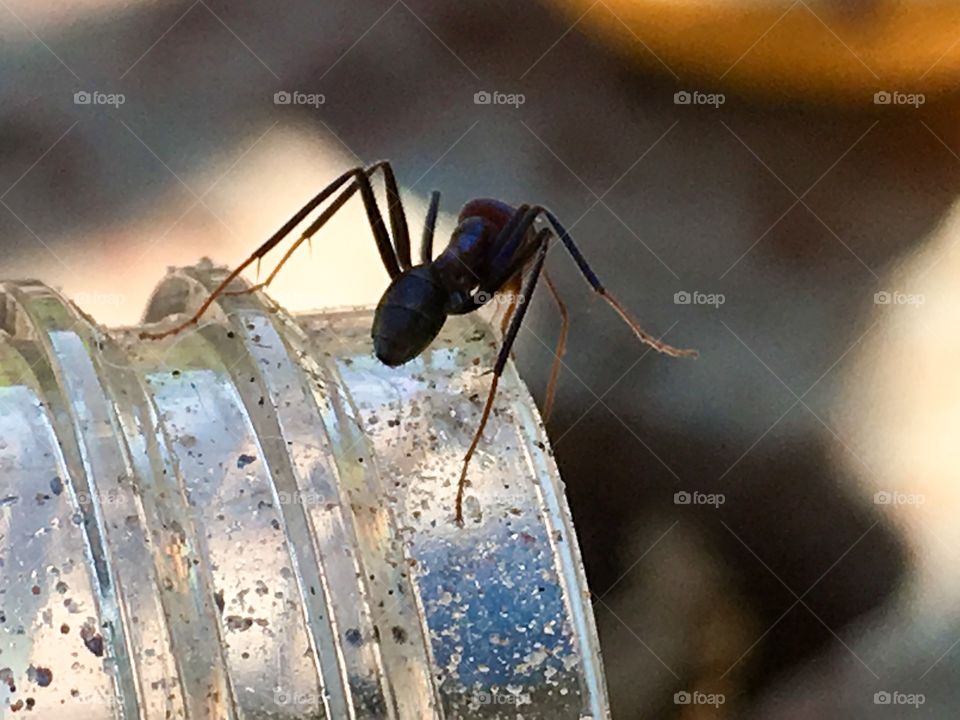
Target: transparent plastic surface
(254, 519)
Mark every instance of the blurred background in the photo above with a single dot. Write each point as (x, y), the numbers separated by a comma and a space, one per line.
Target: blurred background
(768, 531)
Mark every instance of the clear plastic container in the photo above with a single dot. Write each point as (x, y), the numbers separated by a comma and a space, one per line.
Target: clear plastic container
(254, 519)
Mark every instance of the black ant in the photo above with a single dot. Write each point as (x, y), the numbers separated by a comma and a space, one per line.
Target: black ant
(492, 248)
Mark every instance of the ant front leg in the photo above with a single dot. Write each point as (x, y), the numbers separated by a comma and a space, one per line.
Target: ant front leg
(508, 340)
(505, 263)
(511, 287)
(512, 290)
(591, 277)
(511, 245)
(560, 350)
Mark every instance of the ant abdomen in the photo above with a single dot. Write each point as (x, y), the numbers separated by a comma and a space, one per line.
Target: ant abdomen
(409, 315)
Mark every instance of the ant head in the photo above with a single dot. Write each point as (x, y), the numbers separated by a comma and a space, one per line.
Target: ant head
(409, 315)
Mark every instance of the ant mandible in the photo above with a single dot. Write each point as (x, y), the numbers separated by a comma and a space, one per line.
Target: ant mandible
(492, 248)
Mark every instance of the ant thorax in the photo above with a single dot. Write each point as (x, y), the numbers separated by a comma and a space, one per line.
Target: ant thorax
(466, 258)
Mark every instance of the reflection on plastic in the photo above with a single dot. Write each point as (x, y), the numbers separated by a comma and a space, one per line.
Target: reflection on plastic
(254, 519)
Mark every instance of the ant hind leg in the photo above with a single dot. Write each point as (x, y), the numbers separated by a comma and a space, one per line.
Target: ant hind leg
(395, 257)
(373, 213)
(305, 237)
(429, 227)
(391, 255)
(361, 181)
(398, 220)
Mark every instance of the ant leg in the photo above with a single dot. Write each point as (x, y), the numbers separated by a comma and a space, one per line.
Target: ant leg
(398, 220)
(505, 244)
(429, 226)
(304, 237)
(504, 264)
(398, 224)
(373, 214)
(511, 288)
(528, 288)
(594, 281)
(522, 256)
(561, 347)
(507, 259)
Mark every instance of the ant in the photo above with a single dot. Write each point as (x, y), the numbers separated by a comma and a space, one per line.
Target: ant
(492, 249)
